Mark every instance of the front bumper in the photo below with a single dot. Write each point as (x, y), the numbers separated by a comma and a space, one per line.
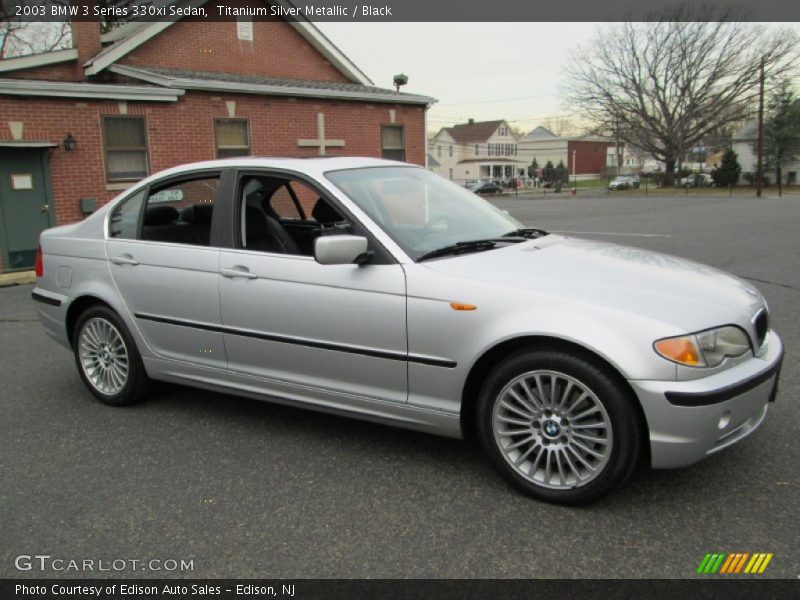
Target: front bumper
(689, 420)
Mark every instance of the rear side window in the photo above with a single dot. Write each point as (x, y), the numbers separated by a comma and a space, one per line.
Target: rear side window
(124, 222)
(181, 212)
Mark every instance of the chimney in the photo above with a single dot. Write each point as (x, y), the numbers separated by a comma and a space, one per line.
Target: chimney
(85, 39)
(471, 121)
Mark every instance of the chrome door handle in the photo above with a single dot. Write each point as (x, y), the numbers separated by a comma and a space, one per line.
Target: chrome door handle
(232, 273)
(125, 259)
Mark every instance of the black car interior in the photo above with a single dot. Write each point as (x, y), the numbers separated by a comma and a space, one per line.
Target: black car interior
(192, 225)
(275, 220)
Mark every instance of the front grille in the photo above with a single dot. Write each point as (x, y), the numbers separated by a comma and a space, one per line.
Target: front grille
(761, 327)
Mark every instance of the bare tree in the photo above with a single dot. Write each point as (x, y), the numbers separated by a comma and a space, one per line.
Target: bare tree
(20, 37)
(561, 126)
(667, 82)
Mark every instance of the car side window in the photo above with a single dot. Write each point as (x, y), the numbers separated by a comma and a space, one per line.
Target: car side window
(284, 216)
(284, 203)
(124, 221)
(181, 212)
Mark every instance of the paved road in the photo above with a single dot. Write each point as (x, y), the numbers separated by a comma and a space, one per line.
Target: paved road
(249, 489)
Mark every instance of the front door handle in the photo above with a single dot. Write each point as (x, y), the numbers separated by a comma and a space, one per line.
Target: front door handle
(125, 259)
(238, 272)
(45, 208)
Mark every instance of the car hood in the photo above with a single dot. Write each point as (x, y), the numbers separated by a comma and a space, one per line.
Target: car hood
(683, 293)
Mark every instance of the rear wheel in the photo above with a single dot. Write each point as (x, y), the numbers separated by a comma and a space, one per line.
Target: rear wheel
(107, 358)
(558, 427)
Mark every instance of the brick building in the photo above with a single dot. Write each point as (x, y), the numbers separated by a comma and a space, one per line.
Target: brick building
(78, 126)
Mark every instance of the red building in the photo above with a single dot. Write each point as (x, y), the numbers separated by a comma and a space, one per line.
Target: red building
(78, 126)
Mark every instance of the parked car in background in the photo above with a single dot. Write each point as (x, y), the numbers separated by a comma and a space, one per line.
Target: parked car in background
(487, 187)
(624, 182)
(379, 290)
(698, 180)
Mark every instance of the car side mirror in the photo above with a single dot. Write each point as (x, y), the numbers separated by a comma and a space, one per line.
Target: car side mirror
(341, 250)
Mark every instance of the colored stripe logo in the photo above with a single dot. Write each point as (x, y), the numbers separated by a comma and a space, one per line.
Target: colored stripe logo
(734, 563)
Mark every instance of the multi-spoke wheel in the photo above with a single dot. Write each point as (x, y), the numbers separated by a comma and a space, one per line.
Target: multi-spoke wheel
(559, 427)
(104, 357)
(107, 358)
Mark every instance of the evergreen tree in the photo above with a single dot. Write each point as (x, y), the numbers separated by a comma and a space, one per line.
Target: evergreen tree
(533, 168)
(729, 169)
(549, 171)
(562, 173)
(782, 131)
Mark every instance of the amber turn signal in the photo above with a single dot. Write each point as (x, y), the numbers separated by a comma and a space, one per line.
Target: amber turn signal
(682, 350)
(460, 306)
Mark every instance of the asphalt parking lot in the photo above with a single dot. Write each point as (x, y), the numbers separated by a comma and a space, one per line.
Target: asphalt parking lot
(249, 489)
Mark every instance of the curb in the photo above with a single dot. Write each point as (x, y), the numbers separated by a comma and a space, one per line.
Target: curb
(20, 277)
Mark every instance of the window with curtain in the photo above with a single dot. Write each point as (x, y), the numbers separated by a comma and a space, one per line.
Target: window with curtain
(393, 145)
(232, 137)
(125, 147)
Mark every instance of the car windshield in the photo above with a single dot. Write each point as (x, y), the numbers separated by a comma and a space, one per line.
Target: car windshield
(420, 210)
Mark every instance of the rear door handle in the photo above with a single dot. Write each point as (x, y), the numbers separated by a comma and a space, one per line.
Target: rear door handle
(238, 272)
(125, 259)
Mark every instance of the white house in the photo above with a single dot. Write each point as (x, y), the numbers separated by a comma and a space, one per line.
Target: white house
(477, 151)
(744, 144)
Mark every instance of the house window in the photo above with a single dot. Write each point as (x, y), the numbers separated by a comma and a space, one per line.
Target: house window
(125, 146)
(232, 137)
(477, 149)
(439, 151)
(393, 145)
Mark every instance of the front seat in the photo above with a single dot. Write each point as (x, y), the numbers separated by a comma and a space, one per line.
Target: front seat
(266, 234)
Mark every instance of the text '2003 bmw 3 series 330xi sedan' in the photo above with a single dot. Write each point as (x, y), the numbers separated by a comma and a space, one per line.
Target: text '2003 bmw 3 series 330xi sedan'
(379, 290)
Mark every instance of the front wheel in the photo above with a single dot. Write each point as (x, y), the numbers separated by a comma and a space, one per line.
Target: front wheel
(107, 358)
(558, 427)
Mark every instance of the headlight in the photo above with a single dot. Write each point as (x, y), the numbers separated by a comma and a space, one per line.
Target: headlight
(706, 348)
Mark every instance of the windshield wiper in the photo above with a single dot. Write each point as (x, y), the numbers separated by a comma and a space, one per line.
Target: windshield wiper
(527, 232)
(461, 248)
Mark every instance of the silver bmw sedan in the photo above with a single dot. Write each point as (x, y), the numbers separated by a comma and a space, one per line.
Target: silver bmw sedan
(379, 290)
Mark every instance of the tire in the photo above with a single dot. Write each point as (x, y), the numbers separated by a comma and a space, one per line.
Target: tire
(107, 358)
(548, 465)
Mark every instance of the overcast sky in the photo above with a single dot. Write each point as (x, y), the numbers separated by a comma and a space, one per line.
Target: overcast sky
(485, 71)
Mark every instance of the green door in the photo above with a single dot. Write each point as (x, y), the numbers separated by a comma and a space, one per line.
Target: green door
(24, 204)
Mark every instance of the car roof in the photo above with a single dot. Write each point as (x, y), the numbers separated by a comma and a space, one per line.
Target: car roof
(312, 166)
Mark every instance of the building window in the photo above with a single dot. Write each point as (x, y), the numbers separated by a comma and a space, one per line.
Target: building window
(439, 151)
(232, 137)
(477, 149)
(393, 144)
(450, 149)
(125, 146)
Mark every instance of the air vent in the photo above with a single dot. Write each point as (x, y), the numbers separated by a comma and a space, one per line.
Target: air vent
(761, 327)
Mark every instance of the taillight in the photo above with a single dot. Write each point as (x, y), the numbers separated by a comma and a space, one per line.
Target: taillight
(39, 265)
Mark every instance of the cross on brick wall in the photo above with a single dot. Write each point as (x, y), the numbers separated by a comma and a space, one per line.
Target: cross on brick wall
(321, 142)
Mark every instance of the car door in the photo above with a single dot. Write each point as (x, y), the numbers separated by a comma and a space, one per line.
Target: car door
(163, 252)
(287, 318)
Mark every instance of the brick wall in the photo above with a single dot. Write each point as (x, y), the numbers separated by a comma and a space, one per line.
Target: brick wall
(184, 132)
(277, 50)
(590, 157)
(58, 72)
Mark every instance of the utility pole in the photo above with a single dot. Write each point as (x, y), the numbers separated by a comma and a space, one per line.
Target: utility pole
(616, 131)
(760, 144)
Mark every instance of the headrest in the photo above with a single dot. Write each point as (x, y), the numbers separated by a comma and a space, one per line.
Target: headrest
(199, 214)
(256, 223)
(324, 213)
(160, 215)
